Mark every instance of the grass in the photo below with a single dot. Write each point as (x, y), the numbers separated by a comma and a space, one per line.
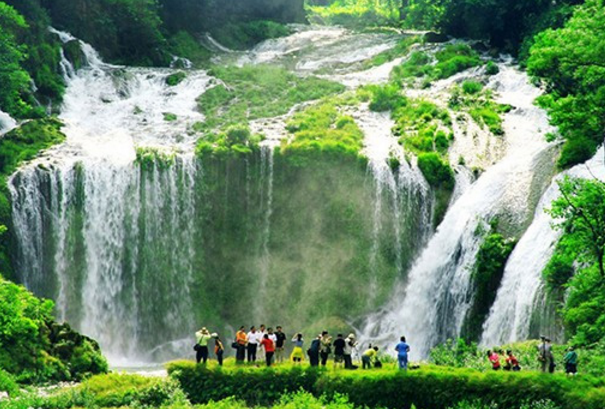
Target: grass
(400, 50)
(259, 91)
(450, 60)
(478, 102)
(149, 157)
(243, 35)
(323, 129)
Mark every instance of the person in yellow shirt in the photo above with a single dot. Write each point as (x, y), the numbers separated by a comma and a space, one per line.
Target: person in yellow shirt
(368, 356)
(201, 348)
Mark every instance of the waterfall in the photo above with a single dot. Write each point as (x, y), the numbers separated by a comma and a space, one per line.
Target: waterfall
(118, 234)
(399, 192)
(521, 288)
(432, 305)
(266, 180)
(6, 122)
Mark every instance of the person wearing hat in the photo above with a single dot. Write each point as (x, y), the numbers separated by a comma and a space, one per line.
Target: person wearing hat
(545, 355)
(350, 344)
(201, 348)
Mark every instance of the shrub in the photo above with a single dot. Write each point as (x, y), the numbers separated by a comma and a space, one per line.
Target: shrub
(472, 87)
(491, 68)
(437, 172)
(176, 78)
(386, 98)
(428, 387)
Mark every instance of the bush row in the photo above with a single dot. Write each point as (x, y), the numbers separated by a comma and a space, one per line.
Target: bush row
(429, 387)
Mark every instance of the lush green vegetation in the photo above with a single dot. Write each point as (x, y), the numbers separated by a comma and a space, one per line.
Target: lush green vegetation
(244, 35)
(235, 141)
(33, 348)
(569, 63)
(323, 130)
(355, 13)
(428, 387)
(28, 52)
(577, 264)
(258, 91)
(478, 102)
(424, 67)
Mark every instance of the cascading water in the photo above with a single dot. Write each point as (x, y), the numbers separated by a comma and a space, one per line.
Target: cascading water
(511, 313)
(6, 122)
(134, 248)
(432, 306)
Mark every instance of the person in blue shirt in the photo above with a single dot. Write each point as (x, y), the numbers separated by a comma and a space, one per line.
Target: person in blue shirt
(402, 353)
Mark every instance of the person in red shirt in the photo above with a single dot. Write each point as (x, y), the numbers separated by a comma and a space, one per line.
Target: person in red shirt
(494, 359)
(269, 347)
(512, 363)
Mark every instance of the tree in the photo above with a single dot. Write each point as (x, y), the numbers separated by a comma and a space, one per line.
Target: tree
(571, 63)
(14, 79)
(580, 211)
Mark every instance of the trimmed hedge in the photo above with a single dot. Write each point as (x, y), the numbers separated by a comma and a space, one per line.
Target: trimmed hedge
(429, 387)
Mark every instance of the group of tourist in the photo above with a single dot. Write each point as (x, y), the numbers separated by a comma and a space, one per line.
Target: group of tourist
(267, 345)
(545, 357)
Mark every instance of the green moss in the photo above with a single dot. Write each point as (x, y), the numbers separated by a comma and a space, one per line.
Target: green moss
(169, 117)
(176, 78)
(25, 142)
(472, 87)
(259, 91)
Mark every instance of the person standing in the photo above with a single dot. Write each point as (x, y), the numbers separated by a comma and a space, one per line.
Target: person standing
(269, 348)
(368, 356)
(350, 344)
(339, 351)
(326, 347)
(260, 333)
(402, 349)
(571, 362)
(253, 342)
(313, 351)
(202, 337)
(280, 339)
(545, 355)
(219, 349)
(241, 341)
(297, 353)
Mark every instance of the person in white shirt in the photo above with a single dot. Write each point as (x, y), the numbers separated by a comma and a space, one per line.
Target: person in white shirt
(262, 330)
(254, 339)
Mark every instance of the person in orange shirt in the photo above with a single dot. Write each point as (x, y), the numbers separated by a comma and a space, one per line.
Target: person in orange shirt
(241, 340)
